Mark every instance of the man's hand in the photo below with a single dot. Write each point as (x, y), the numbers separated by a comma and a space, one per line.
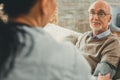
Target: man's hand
(106, 77)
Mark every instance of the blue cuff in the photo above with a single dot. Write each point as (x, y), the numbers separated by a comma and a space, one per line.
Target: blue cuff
(105, 68)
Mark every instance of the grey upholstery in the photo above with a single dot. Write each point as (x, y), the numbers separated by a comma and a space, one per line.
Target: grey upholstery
(115, 22)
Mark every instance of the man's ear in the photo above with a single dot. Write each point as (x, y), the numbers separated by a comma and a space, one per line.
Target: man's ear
(110, 18)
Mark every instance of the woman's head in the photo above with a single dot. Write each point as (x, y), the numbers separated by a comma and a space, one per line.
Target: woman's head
(13, 8)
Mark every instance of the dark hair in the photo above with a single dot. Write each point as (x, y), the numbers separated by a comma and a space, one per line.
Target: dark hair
(11, 46)
(14, 8)
(8, 48)
(9, 40)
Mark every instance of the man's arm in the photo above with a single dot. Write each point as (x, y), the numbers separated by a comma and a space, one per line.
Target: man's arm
(109, 58)
(105, 68)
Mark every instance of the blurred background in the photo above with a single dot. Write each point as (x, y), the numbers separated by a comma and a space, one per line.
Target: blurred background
(73, 14)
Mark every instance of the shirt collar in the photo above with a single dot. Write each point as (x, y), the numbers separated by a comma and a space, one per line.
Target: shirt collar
(99, 36)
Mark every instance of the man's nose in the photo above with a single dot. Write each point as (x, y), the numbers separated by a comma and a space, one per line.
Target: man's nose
(96, 16)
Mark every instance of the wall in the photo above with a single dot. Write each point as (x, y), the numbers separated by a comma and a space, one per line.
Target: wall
(73, 14)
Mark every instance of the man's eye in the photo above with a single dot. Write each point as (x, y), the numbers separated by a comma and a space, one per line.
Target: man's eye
(92, 12)
(101, 13)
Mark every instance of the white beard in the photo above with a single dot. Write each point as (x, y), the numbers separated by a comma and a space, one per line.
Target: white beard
(96, 28)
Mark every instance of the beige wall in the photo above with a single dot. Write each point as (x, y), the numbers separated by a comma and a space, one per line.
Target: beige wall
(73, 13)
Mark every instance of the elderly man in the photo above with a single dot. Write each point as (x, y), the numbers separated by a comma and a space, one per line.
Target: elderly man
(101, 46)
(28, 53)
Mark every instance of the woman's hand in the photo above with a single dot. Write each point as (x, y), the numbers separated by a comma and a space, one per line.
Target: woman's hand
(106, 77)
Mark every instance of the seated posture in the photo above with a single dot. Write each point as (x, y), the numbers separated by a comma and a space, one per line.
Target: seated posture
(101, 47)
(27, 52)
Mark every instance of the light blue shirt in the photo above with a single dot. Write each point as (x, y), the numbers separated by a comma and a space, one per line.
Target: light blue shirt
(42, 58)
(101, 35)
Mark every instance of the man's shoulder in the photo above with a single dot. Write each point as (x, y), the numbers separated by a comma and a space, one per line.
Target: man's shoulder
(112, 40)
(113, 37)
(84, 35)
